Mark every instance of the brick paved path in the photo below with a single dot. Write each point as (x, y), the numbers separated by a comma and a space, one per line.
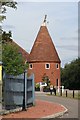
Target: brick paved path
(41, 109)
(71, 104)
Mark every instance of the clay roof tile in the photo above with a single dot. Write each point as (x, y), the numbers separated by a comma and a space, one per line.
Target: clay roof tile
(43, 48)
(23, 52)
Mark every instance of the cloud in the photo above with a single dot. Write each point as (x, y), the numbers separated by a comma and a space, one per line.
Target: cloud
(69, 47)
(47, 0)
(67, 60)
(69, 38)
(8, 27)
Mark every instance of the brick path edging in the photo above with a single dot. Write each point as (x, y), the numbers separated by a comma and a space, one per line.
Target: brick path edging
(56, 115)
(5, 112)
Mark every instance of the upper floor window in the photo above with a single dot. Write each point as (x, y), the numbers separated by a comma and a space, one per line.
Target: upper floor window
(57, 65)
(47, 66)
(30, 66)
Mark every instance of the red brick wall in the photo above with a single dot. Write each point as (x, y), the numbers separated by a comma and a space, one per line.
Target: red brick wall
(39, 69)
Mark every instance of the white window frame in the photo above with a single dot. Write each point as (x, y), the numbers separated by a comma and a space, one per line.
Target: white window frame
(30, 66)
(46, 67)
(58, 65)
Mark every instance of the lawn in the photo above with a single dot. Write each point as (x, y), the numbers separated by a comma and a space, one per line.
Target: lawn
(69, 94)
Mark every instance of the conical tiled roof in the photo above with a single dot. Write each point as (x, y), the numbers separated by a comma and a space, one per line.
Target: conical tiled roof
(43, 49)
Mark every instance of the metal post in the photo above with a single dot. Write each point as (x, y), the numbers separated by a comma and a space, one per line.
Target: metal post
(61, 92)
(24, 92)
(66, 93)
(55, 92)
(73, 93)
(51, 92)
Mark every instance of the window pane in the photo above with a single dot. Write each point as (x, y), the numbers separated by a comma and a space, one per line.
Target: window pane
(30, 66)
(57, 66)
(47, 66)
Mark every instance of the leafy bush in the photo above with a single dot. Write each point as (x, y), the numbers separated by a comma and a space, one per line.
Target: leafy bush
(46, 89)
(37, 87)
(45, 79)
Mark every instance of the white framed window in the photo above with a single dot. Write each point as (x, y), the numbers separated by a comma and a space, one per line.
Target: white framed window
(47, 66)
(57, 66)
(30, 66)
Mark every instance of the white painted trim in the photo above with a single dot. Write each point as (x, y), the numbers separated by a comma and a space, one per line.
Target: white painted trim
(56, 65)
(43, 24)
(30, 67)
(45, 65)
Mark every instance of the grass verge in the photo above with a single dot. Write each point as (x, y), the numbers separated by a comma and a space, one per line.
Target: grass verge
(69, 95)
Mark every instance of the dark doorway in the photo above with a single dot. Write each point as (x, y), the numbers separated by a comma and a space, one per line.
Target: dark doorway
(57, 82)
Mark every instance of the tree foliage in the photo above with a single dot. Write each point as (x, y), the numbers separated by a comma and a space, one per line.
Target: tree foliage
(3, 5)
(13, 62)
(45, 79)
(6, 37)
(70, 75)
(3, 9)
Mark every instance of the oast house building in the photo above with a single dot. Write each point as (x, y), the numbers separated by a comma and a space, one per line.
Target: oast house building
(43, 58)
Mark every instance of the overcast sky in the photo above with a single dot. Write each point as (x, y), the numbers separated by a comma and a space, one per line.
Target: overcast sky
(25, 23)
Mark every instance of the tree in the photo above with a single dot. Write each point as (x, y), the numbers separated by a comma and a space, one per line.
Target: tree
(3, 8)
(13, 62)
(6, 37)
(3, 5)
(70, 75)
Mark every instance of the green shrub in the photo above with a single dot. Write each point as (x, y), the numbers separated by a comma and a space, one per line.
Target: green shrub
(37, 85)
